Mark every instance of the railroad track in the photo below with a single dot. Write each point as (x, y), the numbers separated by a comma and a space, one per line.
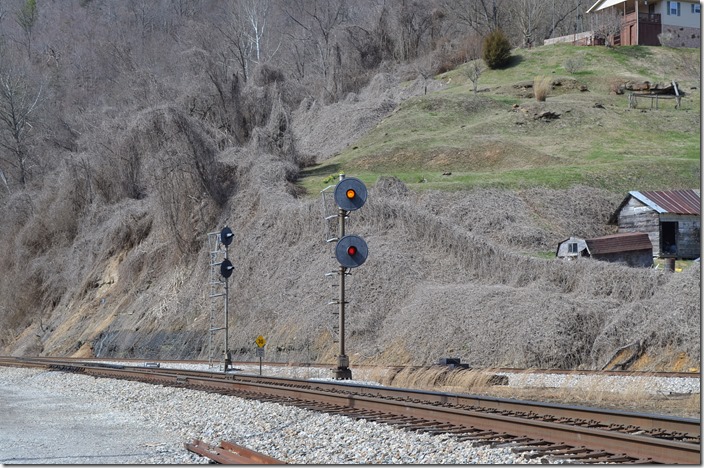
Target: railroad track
(507, 370)
(559, 432)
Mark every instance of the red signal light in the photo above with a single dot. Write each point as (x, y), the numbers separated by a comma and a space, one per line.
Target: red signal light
(351, 250)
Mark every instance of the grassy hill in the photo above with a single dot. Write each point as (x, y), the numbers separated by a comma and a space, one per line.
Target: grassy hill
(496, 138)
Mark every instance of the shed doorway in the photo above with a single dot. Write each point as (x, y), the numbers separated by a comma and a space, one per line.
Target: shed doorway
(668, 238)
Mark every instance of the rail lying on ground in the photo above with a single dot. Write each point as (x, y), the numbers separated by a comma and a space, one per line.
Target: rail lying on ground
(557, 431)
(230, 454)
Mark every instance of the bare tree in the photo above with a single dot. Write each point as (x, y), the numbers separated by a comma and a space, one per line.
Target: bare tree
(561, 12)
(185, 8)
(256, 15)
(480, 16)
(474, 70)
(606, 24)
(236, 40)
(528, 16)
(371, 36)
(26, 18)
(319, 24)
(425, 67)
(19, 103)
(414, 20)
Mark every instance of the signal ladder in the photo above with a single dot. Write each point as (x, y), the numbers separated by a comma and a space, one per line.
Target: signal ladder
(217, 297)
(330, 237)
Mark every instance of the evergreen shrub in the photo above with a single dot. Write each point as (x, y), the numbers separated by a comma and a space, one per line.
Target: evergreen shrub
(496, 49)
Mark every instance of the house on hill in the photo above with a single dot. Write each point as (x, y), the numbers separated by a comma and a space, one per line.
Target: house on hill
(672, 220)
(643, 20)
(632, 248)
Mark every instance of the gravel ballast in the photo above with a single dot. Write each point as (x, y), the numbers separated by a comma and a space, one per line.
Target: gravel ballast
(57, 417)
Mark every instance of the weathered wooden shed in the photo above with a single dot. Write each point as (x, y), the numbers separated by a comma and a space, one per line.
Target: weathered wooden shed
(631, 248)
(672, 220)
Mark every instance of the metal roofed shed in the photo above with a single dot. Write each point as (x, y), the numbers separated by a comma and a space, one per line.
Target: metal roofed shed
(671, 218)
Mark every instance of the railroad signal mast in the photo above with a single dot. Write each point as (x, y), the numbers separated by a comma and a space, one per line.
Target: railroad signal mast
(226, 269)
(221, 269)
(351, 251)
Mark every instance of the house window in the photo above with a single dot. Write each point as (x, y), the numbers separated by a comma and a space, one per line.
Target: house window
(696, 8)
(673, 8)
(572, 247)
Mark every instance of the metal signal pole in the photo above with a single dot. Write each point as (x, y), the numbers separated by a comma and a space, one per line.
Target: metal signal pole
(350, 251)
(343, 371)
(227, 356)
(226, 268)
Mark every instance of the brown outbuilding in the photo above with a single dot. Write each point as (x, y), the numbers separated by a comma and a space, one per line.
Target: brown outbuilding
(632, 249)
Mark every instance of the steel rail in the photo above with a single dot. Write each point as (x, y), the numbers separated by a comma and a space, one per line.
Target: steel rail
(509, 417)
(648, 422)
(500, 370)
(637, 446)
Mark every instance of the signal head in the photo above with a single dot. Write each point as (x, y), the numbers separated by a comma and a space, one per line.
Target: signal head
(351, 251)
(226, 236)
(350, 194)
(226, 268)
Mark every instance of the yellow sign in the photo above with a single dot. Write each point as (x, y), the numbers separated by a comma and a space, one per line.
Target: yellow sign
(260, 341)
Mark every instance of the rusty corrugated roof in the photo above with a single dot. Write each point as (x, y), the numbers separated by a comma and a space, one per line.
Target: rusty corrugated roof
(686, 202)
(622, 242)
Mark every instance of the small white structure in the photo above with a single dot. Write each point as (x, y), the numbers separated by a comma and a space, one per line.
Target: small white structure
(571, 248)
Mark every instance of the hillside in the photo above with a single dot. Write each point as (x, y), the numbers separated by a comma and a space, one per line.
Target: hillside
(497, 138)
(459, 264)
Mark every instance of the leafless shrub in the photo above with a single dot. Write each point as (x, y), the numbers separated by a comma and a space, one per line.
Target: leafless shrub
(265, 74)
(276, 135)
(666, 39)
(390, 186)
(681, 324)
(574, 63)
(119, 172)
(449, 53)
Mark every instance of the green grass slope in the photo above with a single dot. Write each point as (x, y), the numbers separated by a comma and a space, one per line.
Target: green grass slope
(500, 137)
